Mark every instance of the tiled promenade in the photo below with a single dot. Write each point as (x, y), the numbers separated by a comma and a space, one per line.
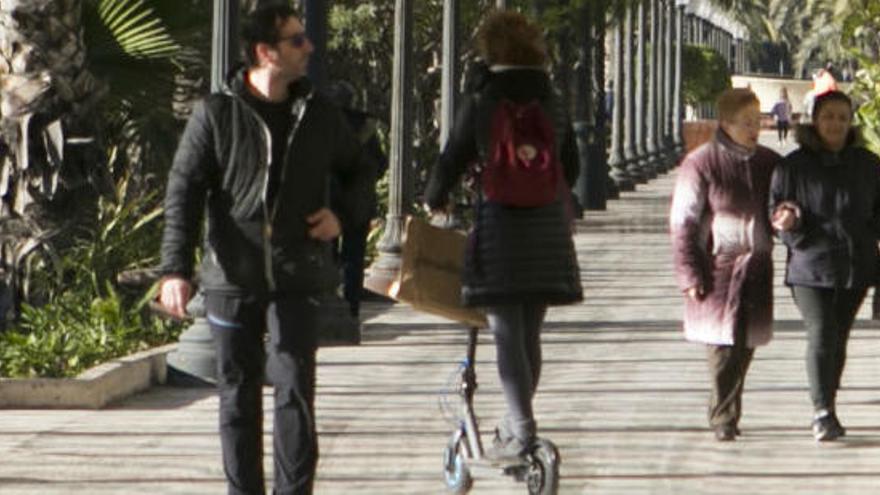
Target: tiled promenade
(622, 396)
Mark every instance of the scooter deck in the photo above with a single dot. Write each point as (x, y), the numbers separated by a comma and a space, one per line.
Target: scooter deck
(502, 466)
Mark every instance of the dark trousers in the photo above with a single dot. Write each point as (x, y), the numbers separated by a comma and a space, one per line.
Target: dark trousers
(828, 315)
(728, 365)
(238, 325)
(782, 127)
(352, 252)
(517, 331)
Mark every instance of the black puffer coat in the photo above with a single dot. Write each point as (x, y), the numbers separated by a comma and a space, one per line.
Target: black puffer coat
(223, 162)
(834, 243)
(515, 255)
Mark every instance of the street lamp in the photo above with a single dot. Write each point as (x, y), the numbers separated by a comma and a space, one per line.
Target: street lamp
(316, 29)
(194, 360)
(450, 74)
(677, 139)
(387, 265)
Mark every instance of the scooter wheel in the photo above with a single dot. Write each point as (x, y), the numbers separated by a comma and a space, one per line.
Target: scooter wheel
(455, 471)
(542, 472)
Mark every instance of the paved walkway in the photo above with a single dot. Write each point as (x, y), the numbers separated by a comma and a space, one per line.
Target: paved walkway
(622, 396)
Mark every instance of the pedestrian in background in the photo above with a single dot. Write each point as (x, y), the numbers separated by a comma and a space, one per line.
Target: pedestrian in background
(722, 245)
(519, 259)
(825, 201)
(781, 112)
(353, 245)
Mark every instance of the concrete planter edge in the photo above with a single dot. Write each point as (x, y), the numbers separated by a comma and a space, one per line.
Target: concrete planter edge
(94, 388)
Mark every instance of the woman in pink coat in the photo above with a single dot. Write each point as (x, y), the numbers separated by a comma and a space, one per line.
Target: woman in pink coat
(722, 245)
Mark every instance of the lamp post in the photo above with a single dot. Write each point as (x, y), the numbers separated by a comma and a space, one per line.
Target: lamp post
(386, 267)
(599, 147)
(194, 360)
(450, 73)
(641, 89)
(316, 29)
(668, 104)
(628, 100)
(592, 182)
(224, 40)
(676, 92)
(616, 160)
(661, 87)
(653, 83)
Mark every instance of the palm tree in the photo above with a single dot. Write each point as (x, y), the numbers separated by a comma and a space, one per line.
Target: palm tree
(81, 78)
(861, 28)
(777, 22)
(822, 38)
(46, 89)
(806, 30)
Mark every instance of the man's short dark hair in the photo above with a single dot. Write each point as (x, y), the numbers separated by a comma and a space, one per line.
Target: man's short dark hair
(263, 25)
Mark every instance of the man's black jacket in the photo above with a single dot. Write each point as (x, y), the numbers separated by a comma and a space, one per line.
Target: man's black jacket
(221, 168)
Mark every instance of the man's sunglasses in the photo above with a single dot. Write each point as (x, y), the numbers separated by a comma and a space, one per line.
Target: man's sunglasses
(296, 40)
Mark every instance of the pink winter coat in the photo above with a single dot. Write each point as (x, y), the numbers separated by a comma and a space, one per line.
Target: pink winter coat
(721, 240)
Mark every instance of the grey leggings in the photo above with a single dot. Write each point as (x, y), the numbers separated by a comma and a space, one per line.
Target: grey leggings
(517, 330)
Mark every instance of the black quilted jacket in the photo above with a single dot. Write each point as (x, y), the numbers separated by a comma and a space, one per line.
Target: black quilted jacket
(514, 255)
(221, 169)
(834, 244)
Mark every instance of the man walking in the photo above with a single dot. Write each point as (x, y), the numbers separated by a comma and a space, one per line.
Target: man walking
(257, 159)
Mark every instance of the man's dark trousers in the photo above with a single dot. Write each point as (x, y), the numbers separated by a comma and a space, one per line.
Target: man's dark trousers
(238, 324)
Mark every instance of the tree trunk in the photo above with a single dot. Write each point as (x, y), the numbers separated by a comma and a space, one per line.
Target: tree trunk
(47, 150)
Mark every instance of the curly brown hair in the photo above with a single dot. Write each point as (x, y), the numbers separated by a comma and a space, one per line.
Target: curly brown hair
(510, 38)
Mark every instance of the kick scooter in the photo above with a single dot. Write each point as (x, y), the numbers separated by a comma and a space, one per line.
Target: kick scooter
(464, 456)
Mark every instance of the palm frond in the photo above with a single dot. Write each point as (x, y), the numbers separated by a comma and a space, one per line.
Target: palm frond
(136, 28)
(131, 47)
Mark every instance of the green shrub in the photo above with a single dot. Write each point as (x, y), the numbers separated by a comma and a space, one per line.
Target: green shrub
(85, 317)
(867, 95)
(74, 332)
(704, 75)
(861, 36)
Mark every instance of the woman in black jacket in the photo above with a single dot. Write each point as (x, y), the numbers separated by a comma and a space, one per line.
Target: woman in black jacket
(519, 259)
(825, 203)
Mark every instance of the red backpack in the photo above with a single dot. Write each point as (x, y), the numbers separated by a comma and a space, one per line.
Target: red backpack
(520, 167)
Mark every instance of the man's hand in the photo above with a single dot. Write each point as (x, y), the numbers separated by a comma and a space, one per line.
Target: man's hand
(323, 225)
(695, 293)
(174, 293)
(784, 219)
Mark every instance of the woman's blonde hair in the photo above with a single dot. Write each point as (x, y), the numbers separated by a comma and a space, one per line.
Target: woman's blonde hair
(509, 38)
(731, 101)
